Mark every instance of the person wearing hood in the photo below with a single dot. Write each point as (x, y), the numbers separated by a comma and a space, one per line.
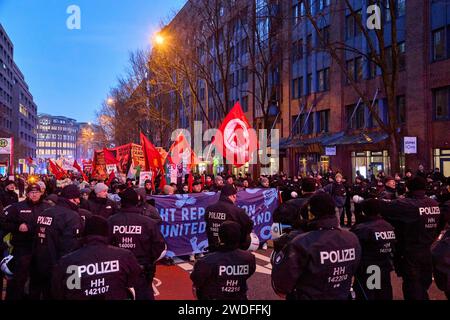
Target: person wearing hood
(223, 275)
(99, 204)
(129, 229)
(119, 274)
(318, 264)
(416, 221)
(56, 233)
(9, 195)
(18, 220)
(226, 210)
(377, 239)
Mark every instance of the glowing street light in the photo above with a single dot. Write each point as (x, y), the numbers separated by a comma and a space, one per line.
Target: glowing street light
(110, 101)
(159, 39)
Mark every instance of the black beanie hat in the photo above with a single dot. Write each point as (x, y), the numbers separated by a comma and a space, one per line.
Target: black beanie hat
(321, 204)
(96, 226)
(71, 192)
(8, 182)
(228, 190)
(230, 234)
(129, 198)
(416, 183)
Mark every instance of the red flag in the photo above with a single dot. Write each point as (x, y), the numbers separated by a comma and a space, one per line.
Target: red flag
(151, 154)
(190, 181)
(238, 141)
(111, 177)
(77, 166)
(162, 181)
(56, 170)
(178, 148)
(109, 157)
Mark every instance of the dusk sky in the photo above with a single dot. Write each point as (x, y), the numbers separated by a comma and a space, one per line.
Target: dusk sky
(70, 72)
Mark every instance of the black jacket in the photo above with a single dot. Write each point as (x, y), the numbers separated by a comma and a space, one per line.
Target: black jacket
(18, 213)
(415, 219)
(56, 233)
(101, 207)
(300, 203)
(319, 264)
(129, 229)
(440, 252)
(106, 272)
(338, 192)
(377, 238)
(388, 193)
(223, 275)
(225, 210)
(8, 198)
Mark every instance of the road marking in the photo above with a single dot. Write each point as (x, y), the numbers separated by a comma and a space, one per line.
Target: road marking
(262, 270)
(185, 266)
(261, 257)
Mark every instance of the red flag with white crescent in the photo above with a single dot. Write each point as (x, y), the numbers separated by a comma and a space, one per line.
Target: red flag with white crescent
(238, 141)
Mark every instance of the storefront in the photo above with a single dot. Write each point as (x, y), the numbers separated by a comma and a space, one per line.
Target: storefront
(441, 160)
(370, 162)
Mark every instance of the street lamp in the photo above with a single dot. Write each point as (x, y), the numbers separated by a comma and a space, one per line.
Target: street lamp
(110, 101)
(159, 39)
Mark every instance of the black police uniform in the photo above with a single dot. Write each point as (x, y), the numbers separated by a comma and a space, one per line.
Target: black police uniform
(100, 206)
(129, 229)
(319, 264)
(11, 219)
(8, 198)
(415, 219)
(56, 233)
(106, 272)
(441, 263)
(376, 237)
(225, 210)
(223, 275)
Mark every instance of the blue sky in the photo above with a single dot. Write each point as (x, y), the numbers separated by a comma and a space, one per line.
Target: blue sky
(70, 72)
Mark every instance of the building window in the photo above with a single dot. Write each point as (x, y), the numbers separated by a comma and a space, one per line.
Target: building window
(401, 109)
(307, 123)
(297, 50)
(401, 56)
(350, 71)
(245, 103)
(323, 4)
(324, 79)
(358, 69)
(356, 119)
(352, 27)
(295, 87)
(309, 84)
(323, 119)
(441, 103)
(439, 50)
(309, 44)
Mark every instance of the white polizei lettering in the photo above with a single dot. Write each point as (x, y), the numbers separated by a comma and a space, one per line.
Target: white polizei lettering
(429, 210)
(44, 220)
(338, 256)
(127, 229)
(217, 215)
(234, 270)
(385, 235)
(99, 268)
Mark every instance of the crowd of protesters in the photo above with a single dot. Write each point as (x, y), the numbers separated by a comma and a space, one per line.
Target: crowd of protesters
(58, 217)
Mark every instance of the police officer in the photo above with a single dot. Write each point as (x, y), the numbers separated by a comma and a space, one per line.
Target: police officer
(376, 237)
(9, 195)
(18, 220)
(308, 188)
(223, 274)
(56, 233)
(360, 189)
(441, 263)
(415, 219)
(99, 204)
(129, 229)
(319, 264)
(106, 272)
(226, 210)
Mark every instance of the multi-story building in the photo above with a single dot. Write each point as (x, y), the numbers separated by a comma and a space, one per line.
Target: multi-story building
(18, 112)
(56, 137)
(323, 120)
